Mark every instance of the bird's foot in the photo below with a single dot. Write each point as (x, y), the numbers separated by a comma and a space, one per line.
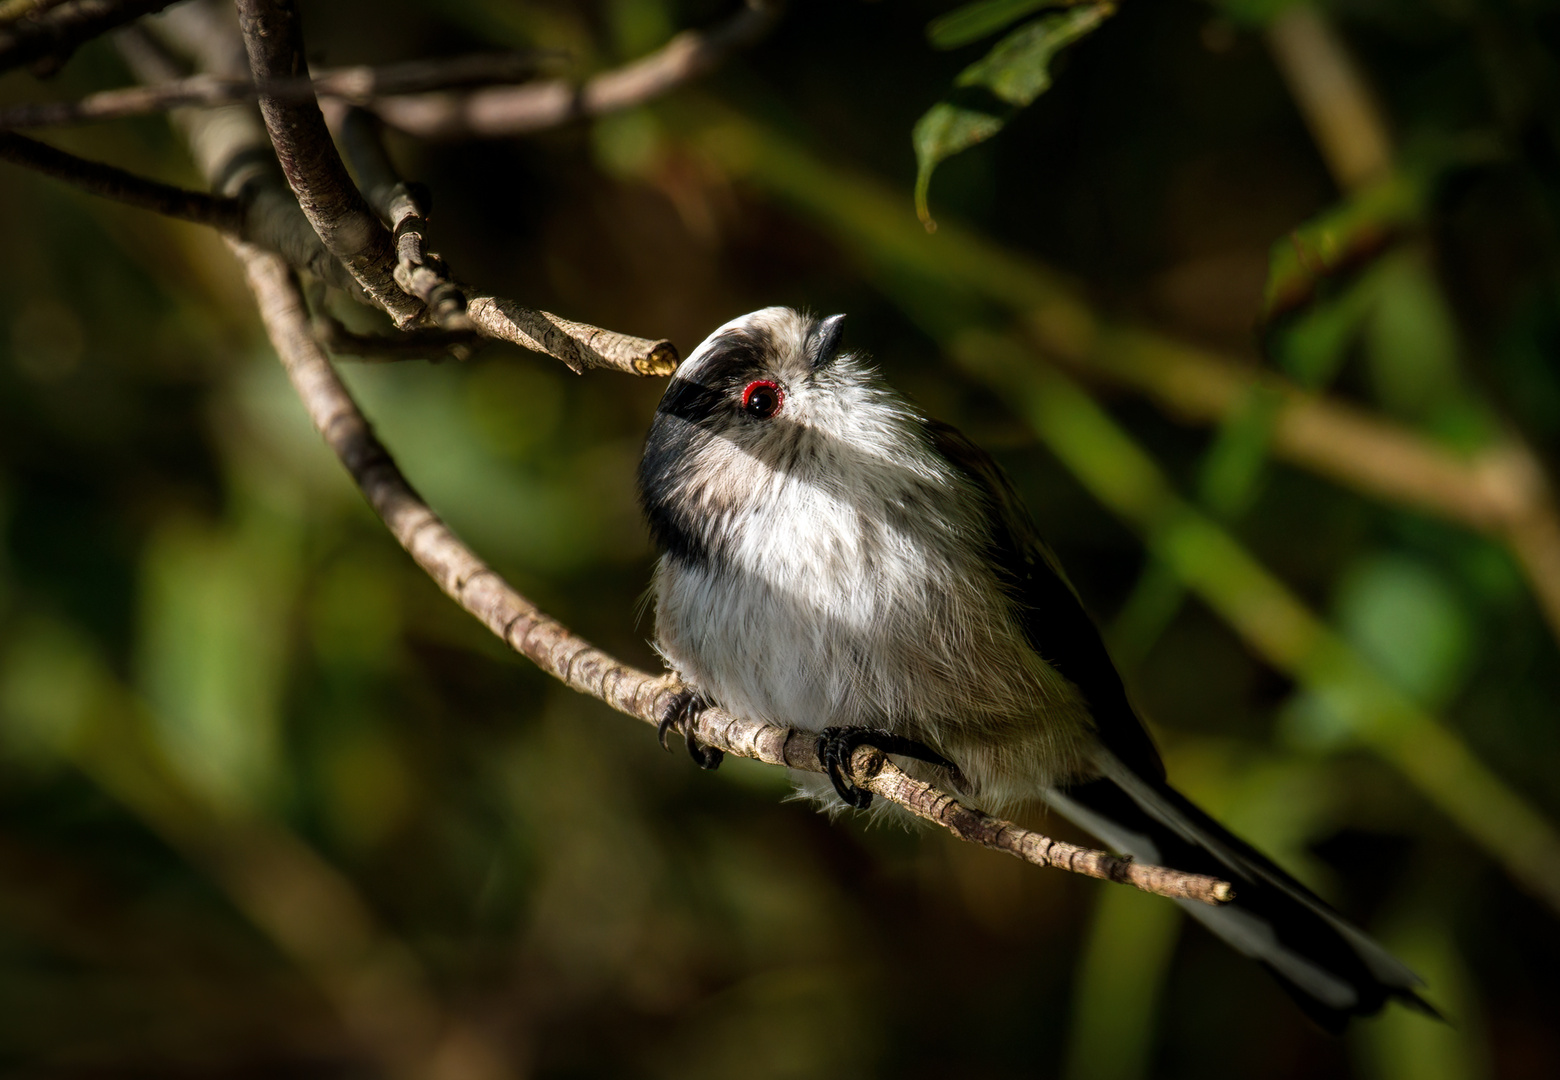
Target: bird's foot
(684, 710)
(836, 745)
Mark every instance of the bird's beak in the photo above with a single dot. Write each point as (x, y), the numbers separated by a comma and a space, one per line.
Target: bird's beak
(823, 343)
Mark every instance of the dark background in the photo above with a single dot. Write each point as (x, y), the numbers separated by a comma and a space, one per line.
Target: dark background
(271, 805)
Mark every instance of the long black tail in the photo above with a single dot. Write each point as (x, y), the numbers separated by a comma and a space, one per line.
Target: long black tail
(1330, 967)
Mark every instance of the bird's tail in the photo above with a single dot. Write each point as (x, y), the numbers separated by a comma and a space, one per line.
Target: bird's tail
(1329, 966)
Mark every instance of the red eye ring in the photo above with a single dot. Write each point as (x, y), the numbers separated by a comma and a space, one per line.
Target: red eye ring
(762, 399)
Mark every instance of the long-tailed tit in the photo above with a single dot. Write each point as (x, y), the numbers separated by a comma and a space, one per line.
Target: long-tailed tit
(836, 562)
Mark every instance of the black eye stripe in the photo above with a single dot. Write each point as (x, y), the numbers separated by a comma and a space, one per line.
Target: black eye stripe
(690, 401)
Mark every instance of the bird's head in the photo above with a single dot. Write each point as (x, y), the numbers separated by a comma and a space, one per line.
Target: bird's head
(768, 398)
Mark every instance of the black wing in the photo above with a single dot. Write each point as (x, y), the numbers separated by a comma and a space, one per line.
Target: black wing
(1053, 617)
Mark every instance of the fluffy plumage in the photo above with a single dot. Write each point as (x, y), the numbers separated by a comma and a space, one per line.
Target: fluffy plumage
(848, 562)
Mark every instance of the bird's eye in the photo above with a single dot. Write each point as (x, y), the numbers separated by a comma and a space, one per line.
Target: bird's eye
(762, 399)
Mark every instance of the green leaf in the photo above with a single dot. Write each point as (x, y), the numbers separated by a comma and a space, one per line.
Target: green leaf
(990, 91)
(970, 23)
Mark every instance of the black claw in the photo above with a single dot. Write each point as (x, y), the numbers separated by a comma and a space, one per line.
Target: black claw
(678, 708)
(836, 746)
(705, 757)
(685, 708)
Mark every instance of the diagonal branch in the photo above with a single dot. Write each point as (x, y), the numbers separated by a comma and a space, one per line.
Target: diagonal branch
(519, 110)
(49, 37)
(582, 666)
(356, 84)
(225, 215)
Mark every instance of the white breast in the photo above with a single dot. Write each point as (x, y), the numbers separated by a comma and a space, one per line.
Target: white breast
(868, 600)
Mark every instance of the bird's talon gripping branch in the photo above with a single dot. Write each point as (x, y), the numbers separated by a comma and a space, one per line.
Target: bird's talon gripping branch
(684, 709)
(836, 746)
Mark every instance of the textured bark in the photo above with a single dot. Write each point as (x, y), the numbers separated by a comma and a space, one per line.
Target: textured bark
(273, 38)
(579, 345)
(405, 206)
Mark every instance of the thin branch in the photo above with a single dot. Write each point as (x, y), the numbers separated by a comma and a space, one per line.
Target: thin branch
(579, 345)
(537, 106)
(273, 37)
(430, 345)
(583, 667)
(225, 215)
(353, 84)
(48, 38)
(405, 206)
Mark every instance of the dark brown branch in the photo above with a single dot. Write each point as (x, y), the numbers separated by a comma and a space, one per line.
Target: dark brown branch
(226, 215)
(273, 37)
(47, 39)
(582, 666)
(431, 345)
(353, 84)
(537, 106)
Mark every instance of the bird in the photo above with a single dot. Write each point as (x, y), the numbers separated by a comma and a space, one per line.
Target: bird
(835, 561)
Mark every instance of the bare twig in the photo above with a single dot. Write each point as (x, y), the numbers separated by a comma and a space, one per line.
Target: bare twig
(273, 37)
(433, 345)
(405, 206)
(579, 345)
(47, 38)
(354, 84)
(582, 666)
(226, 215)
(538, 106)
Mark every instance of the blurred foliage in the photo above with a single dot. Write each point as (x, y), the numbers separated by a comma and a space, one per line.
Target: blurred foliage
(270, 804)
(989, 92)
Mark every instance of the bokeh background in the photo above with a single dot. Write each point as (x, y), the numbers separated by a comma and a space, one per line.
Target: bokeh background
(271, 805)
